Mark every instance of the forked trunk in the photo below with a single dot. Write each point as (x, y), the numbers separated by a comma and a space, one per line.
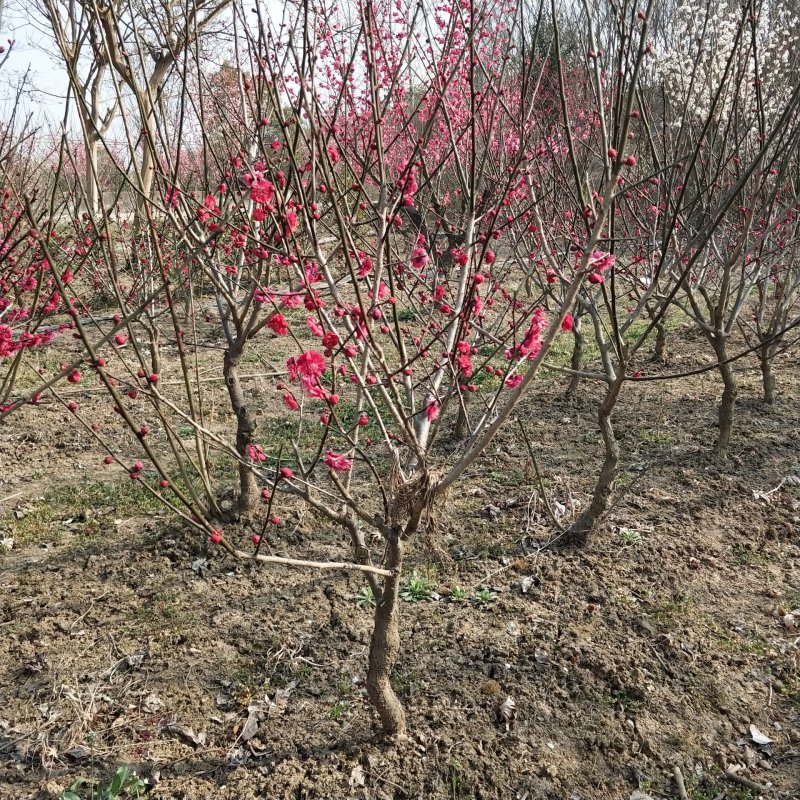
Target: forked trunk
(579, 532)
(385, 645)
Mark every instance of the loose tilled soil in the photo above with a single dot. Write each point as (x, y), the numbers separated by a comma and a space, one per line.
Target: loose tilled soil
(124, 641)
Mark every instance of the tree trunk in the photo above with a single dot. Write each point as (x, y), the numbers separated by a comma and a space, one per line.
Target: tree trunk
(147, 174)
(767, 376)
(92, 187)
(577, 359)
(385, 645)
(461, 429)
(660, 352)
(579, 532)
(148, 164)
(245, 428)
(155, 354)
(728, 401)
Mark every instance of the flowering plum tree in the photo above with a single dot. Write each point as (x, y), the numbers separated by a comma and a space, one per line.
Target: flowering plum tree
(738, 116)
(689, 181)
(401, 208)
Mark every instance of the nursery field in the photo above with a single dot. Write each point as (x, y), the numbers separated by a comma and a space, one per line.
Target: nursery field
(670, 641)
(399, 400)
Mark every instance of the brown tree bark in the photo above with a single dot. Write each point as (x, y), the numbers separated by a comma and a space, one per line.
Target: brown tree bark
(728, 400)
(577, 359)
(767, 376)
(579, 532)
(245, 428)
(385, 645)
(660, 351)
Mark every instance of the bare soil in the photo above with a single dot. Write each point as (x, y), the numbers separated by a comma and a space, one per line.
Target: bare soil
(125, 641)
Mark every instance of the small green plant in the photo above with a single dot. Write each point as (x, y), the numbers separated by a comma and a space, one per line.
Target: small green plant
(711, 792)
(748, 557)
(186, 431)
(124, 783)
(483, 598)
(458, 594)
(365, 598)
(338, 709)
(630, 536)
(654, 437)
(415, 588)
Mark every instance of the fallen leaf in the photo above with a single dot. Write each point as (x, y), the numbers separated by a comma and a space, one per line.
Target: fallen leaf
(250, 727)
(187, 734)
(507, 712)
(152, 704)
(357, 777)
(199, 566)
(759, 737)
(236, 757)
(257, 748)
(79, 753)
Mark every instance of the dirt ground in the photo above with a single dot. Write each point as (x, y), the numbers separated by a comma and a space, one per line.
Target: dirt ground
(669, 641)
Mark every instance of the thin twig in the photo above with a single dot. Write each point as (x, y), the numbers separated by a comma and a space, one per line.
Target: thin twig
(756, 787)
(298, 562)
(209, 379)
(91, 606)
(11, 497)
(540, 481)
(678, 775)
